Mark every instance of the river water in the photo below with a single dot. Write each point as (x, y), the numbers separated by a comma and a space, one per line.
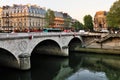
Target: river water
(78, 66)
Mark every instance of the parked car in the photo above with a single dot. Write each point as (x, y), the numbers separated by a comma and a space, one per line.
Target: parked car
(104, 31)
(81, 31)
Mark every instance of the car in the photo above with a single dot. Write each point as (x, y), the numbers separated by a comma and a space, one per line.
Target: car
(104, 31)
(81, 31)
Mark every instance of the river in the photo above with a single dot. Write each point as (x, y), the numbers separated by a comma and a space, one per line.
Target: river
(78, 66)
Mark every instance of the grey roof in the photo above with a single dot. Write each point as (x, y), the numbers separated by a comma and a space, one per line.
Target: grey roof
(58, 14)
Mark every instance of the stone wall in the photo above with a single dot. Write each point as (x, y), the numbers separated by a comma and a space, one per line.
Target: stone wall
(111, 43)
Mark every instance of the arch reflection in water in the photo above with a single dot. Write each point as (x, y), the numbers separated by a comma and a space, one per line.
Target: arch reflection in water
(47, 67)
(10, 74)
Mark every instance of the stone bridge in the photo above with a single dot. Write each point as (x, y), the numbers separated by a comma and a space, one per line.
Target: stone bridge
(16, 48)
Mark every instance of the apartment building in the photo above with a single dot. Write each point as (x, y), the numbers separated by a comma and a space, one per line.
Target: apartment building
(0, 17)
(62, 20)
(59, 20)
(23, 17)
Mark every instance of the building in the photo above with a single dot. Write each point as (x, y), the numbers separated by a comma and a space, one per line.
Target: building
(23, 17)
(62, 20)
(59, 20)
(67, 21)
(0, 17)
(100, 21)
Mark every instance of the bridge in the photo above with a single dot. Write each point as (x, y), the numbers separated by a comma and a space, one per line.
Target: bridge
(16, 48)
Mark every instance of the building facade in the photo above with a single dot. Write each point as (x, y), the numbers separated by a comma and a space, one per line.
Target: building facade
(23, 17)
(100, 21)
(62, 20)
(67, 21)
(0, 17)
(59, 20)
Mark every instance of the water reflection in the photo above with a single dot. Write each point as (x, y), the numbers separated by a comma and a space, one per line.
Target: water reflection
(78, 66)
(109, 65)
(47, 67)
(84, 74)
(10, 74)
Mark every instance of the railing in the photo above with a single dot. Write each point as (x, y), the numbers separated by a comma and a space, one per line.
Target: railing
(108, 36)
(12, 35)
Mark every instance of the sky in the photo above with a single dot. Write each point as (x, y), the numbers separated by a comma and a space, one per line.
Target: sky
(77, 9)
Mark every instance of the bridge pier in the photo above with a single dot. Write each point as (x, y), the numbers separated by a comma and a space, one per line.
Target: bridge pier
(65, 50)
(24, 61)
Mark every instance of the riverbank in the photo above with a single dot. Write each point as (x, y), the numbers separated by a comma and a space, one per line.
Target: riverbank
(97, 50)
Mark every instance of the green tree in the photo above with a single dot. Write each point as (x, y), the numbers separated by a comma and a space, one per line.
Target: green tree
(67, 22)
(113, 16)
(88, 22)
(78, 25)
(50, 17)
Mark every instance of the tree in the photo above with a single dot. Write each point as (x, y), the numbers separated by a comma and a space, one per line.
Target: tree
(78, 25)
(88, 22)
(113, 16)
(50, 17)
(67, 22)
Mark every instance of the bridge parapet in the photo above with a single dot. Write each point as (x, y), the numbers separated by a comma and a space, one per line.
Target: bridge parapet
(15, 35)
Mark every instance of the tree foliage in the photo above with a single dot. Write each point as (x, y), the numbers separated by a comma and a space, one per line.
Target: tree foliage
(88, 22)
(50, 17)
(78, 25)
(67, 22)
(113, 16)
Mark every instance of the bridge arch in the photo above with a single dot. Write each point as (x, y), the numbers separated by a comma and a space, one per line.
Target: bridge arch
(7, 59)
(48, 46)
(75, 43)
